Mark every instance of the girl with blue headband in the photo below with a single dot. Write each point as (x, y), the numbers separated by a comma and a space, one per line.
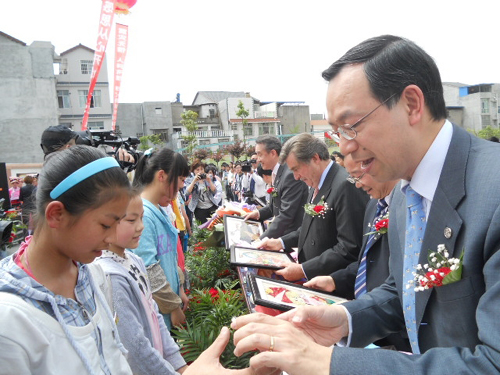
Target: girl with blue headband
(56, 310)
(54, 319)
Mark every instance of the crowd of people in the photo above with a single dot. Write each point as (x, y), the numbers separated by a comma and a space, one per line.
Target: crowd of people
(103, 274)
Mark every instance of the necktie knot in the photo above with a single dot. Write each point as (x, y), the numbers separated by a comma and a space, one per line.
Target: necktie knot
(412, 197)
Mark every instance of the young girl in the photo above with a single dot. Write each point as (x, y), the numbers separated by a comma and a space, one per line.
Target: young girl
(53, 316)
(160, 173)
(141, 327)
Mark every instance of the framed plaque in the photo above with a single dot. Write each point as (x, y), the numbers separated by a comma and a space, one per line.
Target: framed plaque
(282, 295)
(257, 258)
(240, 232)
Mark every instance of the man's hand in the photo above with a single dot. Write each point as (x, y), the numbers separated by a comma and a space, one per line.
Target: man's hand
(269, 244)
(254, 215)
(292, 272)
(282, 346)
(325, 283)
(124, 155)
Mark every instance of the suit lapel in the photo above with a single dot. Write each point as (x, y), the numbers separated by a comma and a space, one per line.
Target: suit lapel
(325, 191)
(450, 191)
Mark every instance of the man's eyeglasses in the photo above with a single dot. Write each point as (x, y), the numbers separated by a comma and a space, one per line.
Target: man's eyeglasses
(348, 132)
(355, 180)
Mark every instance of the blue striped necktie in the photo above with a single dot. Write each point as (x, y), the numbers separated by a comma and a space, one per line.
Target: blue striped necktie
(360, 284)
(415, 230)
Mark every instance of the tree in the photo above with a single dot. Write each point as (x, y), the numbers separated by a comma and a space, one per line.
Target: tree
(489, 132)
(236, 149)
(250, 149)
(243, 114)
(155, 139)
(189, 121)
(201, 154)
(218, 155)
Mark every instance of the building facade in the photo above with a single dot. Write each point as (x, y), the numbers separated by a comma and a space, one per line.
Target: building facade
(473, 107)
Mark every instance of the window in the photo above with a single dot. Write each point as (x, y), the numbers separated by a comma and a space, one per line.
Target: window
(221, 140)
(485, 106)
(63, 99)
(162, 133)
(86, 66)
(234, 126)
(204, 141)
(266, 129)
(95, 125)
(95, 102)
(248, 130)
(485, 120)
(212, 113)
(158, 111)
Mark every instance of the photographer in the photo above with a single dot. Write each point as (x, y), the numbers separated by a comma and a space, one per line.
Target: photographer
(253, 184)
(206, 192)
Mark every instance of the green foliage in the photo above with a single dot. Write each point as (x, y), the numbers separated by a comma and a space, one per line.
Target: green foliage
(189, 121)
(209, 311)
(155, 139)
(489, 132)
(209, 267)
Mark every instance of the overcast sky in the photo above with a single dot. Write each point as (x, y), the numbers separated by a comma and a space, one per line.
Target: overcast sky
(274, 49)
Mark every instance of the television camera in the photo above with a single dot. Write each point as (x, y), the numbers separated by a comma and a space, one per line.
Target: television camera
(118, 144)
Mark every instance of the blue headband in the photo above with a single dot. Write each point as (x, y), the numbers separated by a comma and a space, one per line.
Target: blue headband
(83, 173)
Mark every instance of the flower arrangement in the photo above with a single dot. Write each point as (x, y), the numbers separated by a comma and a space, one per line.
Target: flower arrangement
(441, 270)
(381, 225)
(272, 191)
(318, 210)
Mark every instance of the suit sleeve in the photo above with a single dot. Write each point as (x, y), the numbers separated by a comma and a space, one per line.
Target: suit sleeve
(292, 201)
(344, 280)
(291, 240)
(349, 206)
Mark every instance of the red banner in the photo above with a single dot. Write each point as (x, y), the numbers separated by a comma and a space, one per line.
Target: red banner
(105, 23)
(121, 42)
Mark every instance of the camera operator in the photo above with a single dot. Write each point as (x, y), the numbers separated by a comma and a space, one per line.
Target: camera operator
(205, 190)
(59, 137)
(253, 184)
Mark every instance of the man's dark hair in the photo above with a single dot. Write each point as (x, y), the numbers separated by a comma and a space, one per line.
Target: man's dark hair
(270, 143)
(391, 63)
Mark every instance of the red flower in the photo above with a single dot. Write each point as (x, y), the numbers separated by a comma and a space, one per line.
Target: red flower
(384, 223)
(270, 190)
(318, 209)
(214, 293)
(438, 277)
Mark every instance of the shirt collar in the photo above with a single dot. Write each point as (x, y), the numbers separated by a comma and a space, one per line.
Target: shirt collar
(323, 175)
(426, 177)
(275, 169)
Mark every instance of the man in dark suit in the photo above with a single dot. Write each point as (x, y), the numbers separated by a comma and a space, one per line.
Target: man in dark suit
(385, 99)
(327, 242)
(289, 196)
(377, 258)
(372, 267)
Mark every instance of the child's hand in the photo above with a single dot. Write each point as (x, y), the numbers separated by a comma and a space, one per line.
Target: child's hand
(177, 317)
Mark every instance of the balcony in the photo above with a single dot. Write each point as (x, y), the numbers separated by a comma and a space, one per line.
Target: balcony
(205, 134)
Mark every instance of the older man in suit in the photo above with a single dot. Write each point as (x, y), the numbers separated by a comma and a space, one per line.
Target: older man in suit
(372, 267)
(385, 99)
(288, 196)
(330, 241)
